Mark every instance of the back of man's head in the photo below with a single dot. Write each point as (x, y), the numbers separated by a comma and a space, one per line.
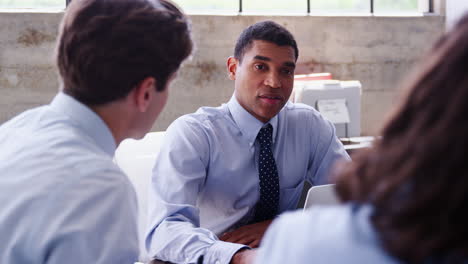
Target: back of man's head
(266, 31)
(106, 47)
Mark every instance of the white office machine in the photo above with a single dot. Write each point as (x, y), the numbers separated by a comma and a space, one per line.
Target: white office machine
(338, 101)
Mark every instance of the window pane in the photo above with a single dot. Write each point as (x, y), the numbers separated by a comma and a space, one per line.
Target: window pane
(31, 3)
(340, 6)
(208, 5)
(395, 6)
(274, 6)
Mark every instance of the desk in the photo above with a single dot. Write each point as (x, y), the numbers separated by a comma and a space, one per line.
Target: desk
(354, 147)
(159, 262)
(353, 144)
(200, 259)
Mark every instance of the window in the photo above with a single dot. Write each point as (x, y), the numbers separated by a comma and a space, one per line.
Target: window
(32, 3)
(304, 6)
(267, 6)
(210, 6)
(271, 6)
(340, 6)
(395, 6)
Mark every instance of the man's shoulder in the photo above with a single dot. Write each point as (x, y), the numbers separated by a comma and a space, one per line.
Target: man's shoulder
(303, 115)
(205, 118)
(300, 108)
(22, 120)
(206, 113)
(57, 159)
(81, 154)
(53, 144)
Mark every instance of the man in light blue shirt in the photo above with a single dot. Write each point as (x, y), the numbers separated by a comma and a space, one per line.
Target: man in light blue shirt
(63, 200)
(224, 173)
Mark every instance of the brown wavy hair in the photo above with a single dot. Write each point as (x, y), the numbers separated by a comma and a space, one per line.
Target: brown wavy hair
(106, 47)
(416, 175)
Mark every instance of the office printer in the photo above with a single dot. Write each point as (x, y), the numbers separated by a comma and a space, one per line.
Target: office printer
(338, 101)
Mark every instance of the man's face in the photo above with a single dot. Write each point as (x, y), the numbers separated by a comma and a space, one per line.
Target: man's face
(264, 79)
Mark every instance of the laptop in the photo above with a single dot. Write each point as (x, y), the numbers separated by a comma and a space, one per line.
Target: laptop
(321, 195)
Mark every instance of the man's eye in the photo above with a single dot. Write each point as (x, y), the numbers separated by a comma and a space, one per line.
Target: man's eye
(288, 72)
(260, 67)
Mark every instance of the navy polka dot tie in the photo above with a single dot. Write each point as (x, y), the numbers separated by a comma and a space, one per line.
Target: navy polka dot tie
(267, 206)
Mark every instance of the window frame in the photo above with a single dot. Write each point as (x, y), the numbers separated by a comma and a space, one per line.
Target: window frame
(372, 11)
(371, 5)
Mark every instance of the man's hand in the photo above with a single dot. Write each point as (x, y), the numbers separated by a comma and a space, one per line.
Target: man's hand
(249, 235)
(244, 256)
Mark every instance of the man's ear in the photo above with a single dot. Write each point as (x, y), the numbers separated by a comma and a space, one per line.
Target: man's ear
(144, 92)
(232, 67)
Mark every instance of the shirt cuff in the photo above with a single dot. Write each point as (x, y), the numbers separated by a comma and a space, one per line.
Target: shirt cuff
(221, 252)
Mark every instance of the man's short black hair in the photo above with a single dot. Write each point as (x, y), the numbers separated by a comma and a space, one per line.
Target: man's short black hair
(266, 31)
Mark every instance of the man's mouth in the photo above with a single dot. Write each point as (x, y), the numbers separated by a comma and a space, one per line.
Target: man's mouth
(271, 99)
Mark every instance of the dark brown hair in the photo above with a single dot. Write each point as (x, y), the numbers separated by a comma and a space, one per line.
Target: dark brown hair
(106, 47)
(266, 31)
(416, 176)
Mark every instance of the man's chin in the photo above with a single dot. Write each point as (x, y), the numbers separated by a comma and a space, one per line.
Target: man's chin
(139, 134)
(273, 111)
(267, 116)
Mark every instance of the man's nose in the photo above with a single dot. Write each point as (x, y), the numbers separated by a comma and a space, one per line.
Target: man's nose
(273, 80)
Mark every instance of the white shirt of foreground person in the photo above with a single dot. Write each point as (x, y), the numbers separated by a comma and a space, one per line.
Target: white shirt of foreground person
(205, 181)
(63, 198)
(331, 235)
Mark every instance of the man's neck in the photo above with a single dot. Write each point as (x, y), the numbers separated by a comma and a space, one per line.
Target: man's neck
(115, 118)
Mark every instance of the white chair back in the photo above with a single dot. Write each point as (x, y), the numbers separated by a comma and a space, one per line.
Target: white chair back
(136, 158)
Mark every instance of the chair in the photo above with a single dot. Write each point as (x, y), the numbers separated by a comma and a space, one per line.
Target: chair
(136, 158)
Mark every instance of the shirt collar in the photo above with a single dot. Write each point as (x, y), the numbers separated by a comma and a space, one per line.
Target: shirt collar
(87, 120)
(247, 123)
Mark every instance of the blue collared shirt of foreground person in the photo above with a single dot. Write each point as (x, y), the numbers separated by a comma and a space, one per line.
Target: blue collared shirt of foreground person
(76, 202)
